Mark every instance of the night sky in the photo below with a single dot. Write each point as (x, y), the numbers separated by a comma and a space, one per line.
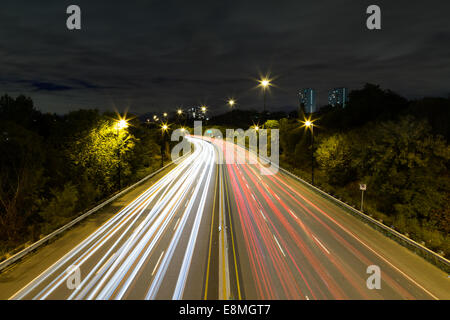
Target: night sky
(156, 55)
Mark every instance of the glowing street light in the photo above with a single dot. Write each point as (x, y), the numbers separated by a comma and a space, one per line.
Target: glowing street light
(204, 109)
(164, 128)
(231, 103)
(264, 83)
(179, 112)
(165, 114)
(121, 124)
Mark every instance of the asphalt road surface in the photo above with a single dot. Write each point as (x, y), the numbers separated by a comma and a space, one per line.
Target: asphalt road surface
(232, 230)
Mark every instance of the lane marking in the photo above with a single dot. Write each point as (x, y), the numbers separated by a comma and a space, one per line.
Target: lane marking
(279, 245)
(320, 243)
(176, 225)
(157, 263)
(211, 233)
(262, 214)
(232, 243)
(104, 265)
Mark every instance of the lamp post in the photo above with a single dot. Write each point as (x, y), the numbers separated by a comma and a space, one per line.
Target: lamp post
(164, 128)
(179, 115)
(231, 102)
(204, 109)
(264, 84)
(120, 125)
(309, 125)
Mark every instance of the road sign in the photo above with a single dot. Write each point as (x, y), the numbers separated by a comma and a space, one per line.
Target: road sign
(362, 187)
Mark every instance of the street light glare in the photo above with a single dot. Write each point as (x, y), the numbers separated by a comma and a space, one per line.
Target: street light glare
(203, 108)
(308, 123)
(231, 102)
(180, 111)
(264, 82)
(164, 127)
(122, 124)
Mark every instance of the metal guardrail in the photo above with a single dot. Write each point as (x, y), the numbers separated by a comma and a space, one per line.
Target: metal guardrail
(50, 236)
(429, 255)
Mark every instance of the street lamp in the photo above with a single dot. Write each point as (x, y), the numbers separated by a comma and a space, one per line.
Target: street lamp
(121, 124)
(231, 103)
(204, 109)
(179, 112)
(164, 128)
(264, 83)
(308, 124)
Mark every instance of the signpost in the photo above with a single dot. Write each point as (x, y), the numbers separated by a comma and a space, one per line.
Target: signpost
(363, 188)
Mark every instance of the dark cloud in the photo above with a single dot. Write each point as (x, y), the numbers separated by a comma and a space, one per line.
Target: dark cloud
(47, 86)
(155, 55)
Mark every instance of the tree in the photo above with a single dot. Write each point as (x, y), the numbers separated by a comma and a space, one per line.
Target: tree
(96, 155)
(334, 156)
(21, 176)
(272, 124)
(407, 167)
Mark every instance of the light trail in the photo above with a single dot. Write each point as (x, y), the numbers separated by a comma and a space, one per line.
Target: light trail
(263, 243)
(115, 256)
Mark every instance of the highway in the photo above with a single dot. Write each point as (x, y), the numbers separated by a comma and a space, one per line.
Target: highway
(294, 244)
(210, 230)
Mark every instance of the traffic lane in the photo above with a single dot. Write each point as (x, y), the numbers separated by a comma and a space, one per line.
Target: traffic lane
(211, 276)
(399, 284)
(237, 290)
(299, 263)
(197, 271)
(265, 273)
(186, 253)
